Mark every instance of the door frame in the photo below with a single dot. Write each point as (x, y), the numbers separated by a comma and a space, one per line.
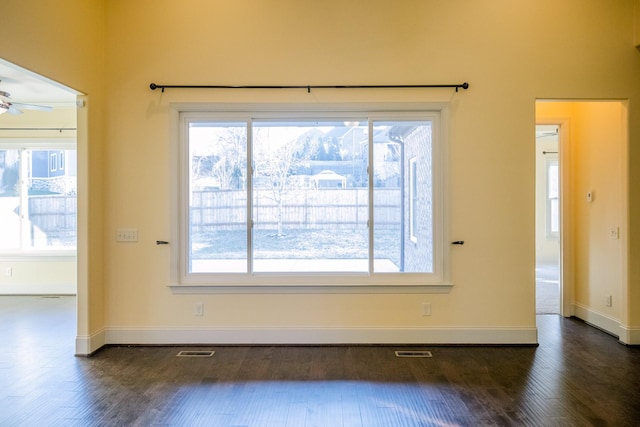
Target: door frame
(566, 261)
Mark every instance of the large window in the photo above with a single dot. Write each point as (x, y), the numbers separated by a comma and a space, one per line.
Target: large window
(37, 198)
(310, 199)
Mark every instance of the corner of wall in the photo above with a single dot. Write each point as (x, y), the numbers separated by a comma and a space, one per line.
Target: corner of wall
(86, 345)
(637, 24)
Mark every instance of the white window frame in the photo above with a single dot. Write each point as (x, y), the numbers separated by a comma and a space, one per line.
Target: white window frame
(35, 144)
(53, 161)
(413, 179)
(437, 281)
(551, 162)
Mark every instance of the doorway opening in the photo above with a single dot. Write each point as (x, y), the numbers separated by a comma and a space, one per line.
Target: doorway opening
(592, 199)
(548, 278)
(38, 202)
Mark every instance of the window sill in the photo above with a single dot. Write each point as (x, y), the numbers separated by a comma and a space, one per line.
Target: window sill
(309, 289)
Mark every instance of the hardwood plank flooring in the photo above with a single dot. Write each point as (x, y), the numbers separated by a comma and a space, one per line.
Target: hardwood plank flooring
(578, 376)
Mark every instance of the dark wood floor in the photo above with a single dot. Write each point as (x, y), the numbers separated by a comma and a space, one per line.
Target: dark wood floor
(578, 376)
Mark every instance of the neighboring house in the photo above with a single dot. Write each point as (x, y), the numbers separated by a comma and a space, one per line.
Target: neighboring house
(329, 179)
(53, 171)
(8, 171)
(344, 150)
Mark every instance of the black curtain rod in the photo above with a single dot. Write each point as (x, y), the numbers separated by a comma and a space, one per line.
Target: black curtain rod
(155, 86)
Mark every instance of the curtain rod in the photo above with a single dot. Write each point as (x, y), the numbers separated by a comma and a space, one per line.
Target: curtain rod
(29, 129)
(155, 86)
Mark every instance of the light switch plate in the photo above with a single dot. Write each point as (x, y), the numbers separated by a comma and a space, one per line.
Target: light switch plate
(127, 235)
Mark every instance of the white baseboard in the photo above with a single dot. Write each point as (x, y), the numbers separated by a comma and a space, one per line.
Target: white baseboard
(322, 336)
(89, 344)
(38, 289)
(629, 335)
(599, 320)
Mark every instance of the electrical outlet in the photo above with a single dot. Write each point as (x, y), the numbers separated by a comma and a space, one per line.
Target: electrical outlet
(8, 271)
(426, 309)
(127, 235)
(614, 232)
(198, 309)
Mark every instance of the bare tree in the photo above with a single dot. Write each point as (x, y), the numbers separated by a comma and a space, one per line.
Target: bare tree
(277, 163)
(225, 159)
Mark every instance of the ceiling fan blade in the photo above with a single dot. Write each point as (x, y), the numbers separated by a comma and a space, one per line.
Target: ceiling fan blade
(13, 110)
(32, 107)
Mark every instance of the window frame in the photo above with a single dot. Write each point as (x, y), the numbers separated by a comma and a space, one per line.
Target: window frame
(34, 144)
(53, 161)
(552, 161)
(183, 113)
(413, 180)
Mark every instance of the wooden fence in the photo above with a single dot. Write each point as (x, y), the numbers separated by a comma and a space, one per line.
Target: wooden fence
(54, 216)
(301, 209)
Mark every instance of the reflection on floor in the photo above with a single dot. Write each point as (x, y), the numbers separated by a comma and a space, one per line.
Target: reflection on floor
(547, 288)
(578, 376)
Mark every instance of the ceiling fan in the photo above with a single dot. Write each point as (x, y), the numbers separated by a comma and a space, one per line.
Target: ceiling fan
(8, 106)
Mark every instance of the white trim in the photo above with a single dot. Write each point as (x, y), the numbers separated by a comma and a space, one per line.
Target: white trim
(30, 288)
(182, 114)
(598, 320)
(567, 283)
(89, 344)
(629, 335)
(313, 108)
(550, 162)
(15, 143)
(413, 164)
(311, 289)
(39, 256)
(322, 336)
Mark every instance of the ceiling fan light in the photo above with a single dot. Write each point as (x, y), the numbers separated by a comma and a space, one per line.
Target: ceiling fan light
(3, 107)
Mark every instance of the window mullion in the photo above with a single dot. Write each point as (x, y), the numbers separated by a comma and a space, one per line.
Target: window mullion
(25, 241)
(250, 172)
(370, 158)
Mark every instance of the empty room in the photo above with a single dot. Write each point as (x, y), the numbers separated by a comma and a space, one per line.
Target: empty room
(336, 213)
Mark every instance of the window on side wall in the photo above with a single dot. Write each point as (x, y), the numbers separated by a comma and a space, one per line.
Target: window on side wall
(553, 199)
(37, 198)
(322, 198)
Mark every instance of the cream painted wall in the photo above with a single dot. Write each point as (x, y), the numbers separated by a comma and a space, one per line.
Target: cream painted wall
(631, 317)
(65, 41)
(61, 117)
(40, 276)
(598, 152)
(495, 45)
(586, 51)
(637, 16)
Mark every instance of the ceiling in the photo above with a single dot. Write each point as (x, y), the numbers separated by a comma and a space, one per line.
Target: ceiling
(27, 87)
